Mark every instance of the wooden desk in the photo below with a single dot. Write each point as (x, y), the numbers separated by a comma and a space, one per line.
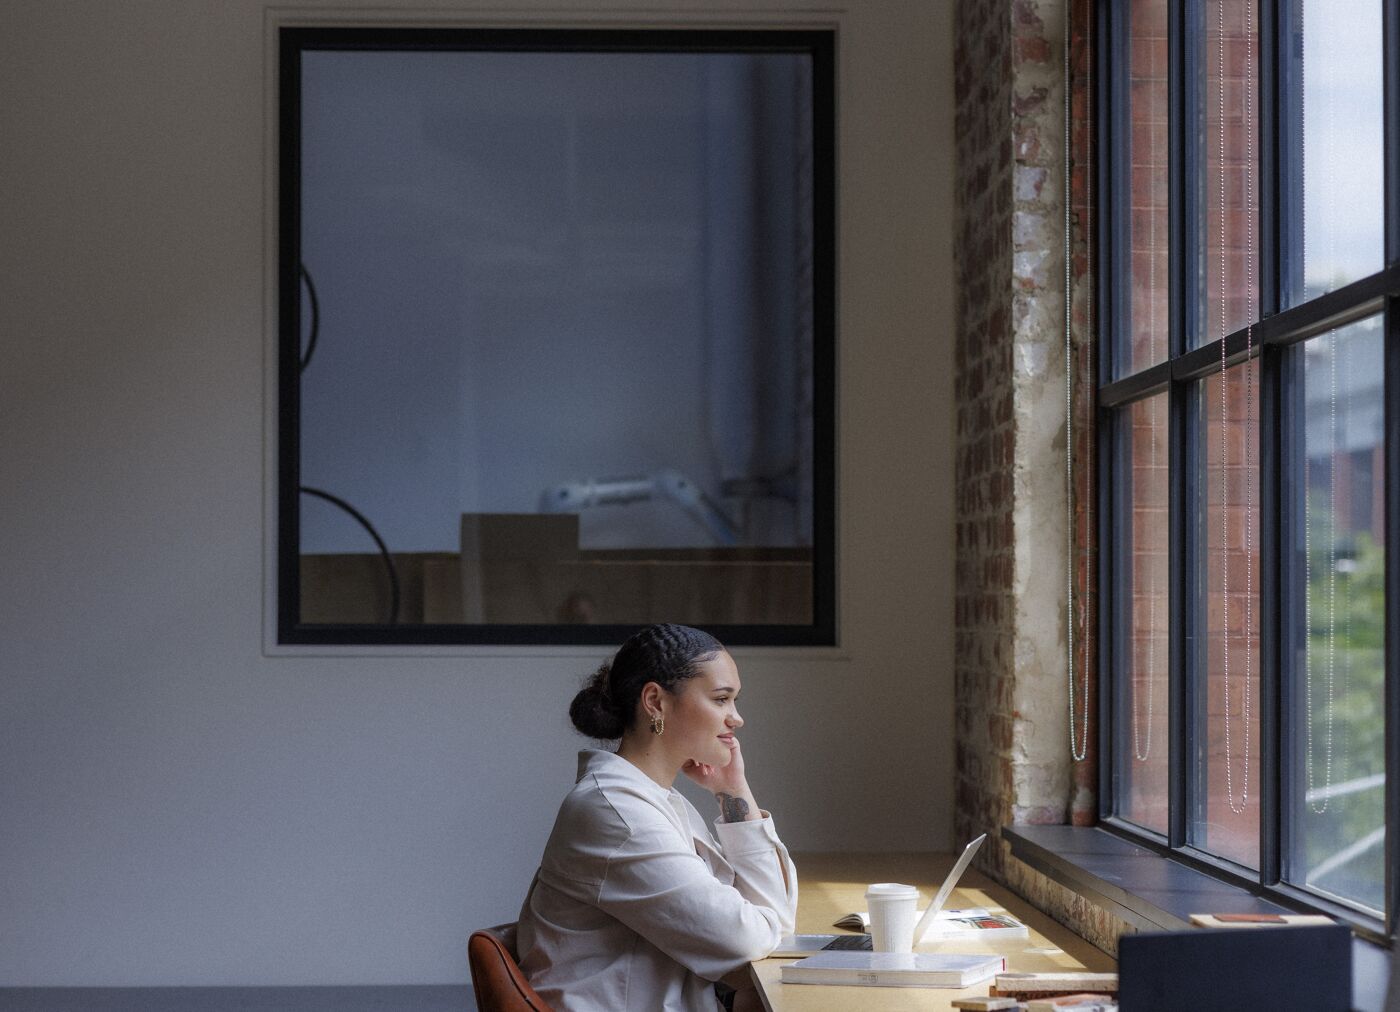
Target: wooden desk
(832, 885)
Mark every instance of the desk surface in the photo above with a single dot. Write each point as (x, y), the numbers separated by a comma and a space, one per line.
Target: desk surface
(832, 885)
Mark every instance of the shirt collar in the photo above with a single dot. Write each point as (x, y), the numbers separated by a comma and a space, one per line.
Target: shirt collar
(610, 764)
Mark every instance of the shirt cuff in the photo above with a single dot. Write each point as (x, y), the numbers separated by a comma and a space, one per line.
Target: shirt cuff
(753, 836)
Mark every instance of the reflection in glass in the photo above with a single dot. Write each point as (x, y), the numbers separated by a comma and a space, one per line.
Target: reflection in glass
(1228, 187)
(1340, 73)
(1225, 810)
(566, 360)
(1142, 729)
(1148, 222)
(1338, 803)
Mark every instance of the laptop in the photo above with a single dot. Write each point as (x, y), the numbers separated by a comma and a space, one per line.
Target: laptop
(805, 945)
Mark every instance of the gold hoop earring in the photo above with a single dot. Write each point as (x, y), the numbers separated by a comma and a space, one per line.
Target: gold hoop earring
(658, 723)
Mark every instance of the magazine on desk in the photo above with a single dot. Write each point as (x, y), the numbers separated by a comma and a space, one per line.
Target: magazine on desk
(1258, 920)
(974, 922)
(893, 969)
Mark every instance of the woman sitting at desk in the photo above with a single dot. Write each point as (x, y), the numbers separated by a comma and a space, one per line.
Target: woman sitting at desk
(635, 905)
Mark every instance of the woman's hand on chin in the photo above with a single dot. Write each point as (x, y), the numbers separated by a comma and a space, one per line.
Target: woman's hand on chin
(728, 784)
(718, 778)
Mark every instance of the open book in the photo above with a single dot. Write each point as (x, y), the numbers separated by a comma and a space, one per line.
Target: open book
(974, 922)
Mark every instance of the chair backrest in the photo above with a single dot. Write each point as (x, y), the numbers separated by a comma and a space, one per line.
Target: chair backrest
(496, 979)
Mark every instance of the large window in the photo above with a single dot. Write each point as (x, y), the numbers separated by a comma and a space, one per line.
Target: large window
(1248, 420)
(557, 316)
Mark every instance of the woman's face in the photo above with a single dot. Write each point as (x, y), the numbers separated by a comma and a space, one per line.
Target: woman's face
(703, 715)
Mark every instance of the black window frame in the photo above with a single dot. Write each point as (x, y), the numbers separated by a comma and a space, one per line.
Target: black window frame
(820, 44)
(1276, 330)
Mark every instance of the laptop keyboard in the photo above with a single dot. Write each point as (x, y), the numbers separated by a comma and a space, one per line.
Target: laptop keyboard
(860, 942)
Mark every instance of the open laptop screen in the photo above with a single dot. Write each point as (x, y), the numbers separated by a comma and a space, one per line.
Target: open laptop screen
(946, 889)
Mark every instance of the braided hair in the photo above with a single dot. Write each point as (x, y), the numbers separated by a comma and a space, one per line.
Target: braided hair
(666, 654)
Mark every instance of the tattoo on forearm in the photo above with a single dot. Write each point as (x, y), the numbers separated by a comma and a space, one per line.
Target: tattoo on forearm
(733, 809)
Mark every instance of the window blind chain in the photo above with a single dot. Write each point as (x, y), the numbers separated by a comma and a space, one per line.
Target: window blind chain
(1345, 578)
(1331, 545)
(1329, 532)
(1250, 431)
(1307, 631)
(1086, 374)
(1337, 437)
(1078, 740)
(1237, 806)
(1142, 744)
(1331, 469)
(1321, 798)
(1224, 499)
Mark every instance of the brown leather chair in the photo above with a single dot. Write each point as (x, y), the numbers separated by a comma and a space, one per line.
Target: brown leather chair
(496, 979)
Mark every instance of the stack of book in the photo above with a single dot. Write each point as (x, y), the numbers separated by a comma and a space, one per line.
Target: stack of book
(1028, 987)
(893, 969)
(1064, 1003)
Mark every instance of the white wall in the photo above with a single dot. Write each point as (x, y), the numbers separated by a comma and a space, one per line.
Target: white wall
(178, 807)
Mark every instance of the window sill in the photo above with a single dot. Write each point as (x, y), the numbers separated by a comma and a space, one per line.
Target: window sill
(1154, 893)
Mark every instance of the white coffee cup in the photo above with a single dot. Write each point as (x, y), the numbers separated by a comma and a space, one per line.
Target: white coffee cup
(892, 907)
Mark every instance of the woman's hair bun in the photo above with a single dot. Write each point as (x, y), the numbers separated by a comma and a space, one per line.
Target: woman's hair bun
(665, 654)
(592, 710)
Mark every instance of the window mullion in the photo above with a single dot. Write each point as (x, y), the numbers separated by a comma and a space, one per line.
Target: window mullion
(1183, 163)
(1116, 611)
(1391, 55)
(1291, 638)
(1392, 581)
(1274, 152)
(1284, 493)
(1113, 142)
(1272, 739)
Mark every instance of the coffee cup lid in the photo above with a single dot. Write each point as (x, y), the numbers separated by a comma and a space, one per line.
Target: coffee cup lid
(891, 890)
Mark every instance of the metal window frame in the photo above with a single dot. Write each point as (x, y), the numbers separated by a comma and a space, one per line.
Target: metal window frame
(1283, 322)
(1390, 29)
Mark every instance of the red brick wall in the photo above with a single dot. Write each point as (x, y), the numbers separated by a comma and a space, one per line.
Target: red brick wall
(983, 604)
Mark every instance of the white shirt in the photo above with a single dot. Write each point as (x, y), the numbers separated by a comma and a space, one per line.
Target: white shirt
(636, 907)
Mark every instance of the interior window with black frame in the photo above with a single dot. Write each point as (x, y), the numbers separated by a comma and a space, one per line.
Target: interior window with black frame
(1249, 288)
(557, 335)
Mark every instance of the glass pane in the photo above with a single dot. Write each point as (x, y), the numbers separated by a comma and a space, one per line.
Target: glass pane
(1147, 224)
(1225, 810)
(1142, 542)
(566, 356)
(1339, 75)
(1338, 802)
(1229, 177)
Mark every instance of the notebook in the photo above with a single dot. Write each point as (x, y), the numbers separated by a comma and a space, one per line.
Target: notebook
(805, 945)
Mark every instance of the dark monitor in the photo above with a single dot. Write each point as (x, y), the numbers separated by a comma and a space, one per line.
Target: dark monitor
(1251, 968)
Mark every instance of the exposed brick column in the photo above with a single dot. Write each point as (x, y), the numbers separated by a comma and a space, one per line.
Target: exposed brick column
(984, 671)
(1013, 738)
